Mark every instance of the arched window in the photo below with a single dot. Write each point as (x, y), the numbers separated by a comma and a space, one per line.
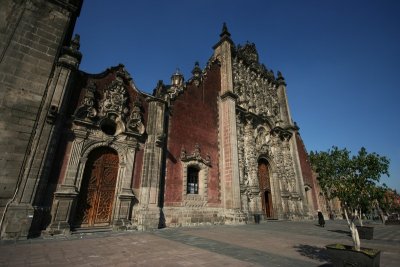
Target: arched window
(192, 180)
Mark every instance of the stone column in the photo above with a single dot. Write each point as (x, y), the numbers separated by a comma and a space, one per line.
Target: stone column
(149, 206)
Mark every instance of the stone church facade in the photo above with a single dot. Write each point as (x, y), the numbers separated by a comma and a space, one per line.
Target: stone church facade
(84, 152)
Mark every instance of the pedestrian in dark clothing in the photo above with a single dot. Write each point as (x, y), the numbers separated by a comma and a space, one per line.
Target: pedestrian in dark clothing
(321, 220)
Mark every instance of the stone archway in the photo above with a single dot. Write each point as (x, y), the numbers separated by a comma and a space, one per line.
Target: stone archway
(265, 187)
(97, 192)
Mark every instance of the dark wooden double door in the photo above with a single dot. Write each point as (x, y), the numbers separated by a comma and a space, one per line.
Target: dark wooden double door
(96, 197)
(265, 188)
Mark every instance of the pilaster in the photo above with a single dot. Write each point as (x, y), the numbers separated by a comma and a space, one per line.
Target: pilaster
(126, 197)
(229, 165)
(148, 212)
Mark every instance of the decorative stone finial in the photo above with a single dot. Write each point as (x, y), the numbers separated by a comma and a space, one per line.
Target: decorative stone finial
(177, 79)
(159, 90)
(225, 32)
(75, 42)
(122, 72)
(177, 85)
(196, 74)
(70, 55)
(225, 36)
(196, 70)
(280, 78)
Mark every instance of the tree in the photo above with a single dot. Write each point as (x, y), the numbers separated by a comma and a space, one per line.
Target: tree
(352, 179)
(388, 200)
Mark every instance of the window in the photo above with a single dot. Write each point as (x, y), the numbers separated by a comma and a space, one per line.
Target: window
(192, 180)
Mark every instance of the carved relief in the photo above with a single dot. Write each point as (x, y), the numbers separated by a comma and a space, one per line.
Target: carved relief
(254, 84)
(257, 138)
(195, 156)
(114, 100)
(240, 138)
(135, 122)
(110, 110)
(87, 108)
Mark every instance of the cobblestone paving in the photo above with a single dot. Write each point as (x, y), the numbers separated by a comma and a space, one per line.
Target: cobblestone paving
(272, 243)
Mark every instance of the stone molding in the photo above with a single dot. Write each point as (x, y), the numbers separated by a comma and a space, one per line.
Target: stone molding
(203, 164)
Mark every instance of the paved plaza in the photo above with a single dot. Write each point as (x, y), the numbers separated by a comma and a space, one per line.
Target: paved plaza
(271, 243)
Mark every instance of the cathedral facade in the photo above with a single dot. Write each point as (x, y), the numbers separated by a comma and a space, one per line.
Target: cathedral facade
(94, 152)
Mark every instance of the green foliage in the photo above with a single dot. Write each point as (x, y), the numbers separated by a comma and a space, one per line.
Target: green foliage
(352, 179)
(388, 199)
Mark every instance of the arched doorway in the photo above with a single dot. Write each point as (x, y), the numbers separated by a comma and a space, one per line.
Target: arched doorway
(96, 197)
(265, 187)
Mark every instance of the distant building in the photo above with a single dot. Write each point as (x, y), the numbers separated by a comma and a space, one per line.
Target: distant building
(81, 152)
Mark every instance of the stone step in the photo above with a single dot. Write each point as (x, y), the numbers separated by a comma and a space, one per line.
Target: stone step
(89, 230)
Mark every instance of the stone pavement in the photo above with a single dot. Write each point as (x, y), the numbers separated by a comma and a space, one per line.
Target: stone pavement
(271, 243)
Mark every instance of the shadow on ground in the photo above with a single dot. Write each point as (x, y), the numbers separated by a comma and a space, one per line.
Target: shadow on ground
(313, 252)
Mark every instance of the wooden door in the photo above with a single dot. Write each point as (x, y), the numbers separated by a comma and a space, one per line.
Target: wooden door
(96, 197)
(265, 187)
(267, 204)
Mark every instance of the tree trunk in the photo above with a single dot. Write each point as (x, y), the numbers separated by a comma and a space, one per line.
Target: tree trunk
(360, 217)
(353, 231)
(381, 213)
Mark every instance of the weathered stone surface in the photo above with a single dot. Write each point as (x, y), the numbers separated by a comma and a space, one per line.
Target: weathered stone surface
(31, 33)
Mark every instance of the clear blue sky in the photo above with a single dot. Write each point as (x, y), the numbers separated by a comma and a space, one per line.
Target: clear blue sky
(340, 59)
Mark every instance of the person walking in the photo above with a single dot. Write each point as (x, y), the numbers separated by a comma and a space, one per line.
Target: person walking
(321, 220)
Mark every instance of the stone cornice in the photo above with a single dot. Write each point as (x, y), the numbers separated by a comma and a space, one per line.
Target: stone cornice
(265, 119)
(222, 40)
(195, 156)
(71, 5)
(229, 94)
(284, 134)
(150, 98)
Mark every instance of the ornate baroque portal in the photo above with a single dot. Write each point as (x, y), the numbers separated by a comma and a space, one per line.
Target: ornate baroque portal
(106, 132)
(269, 183)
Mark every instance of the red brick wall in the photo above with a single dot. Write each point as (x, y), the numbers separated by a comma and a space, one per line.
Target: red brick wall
(305, 165)
(194, 120)
(308, 175)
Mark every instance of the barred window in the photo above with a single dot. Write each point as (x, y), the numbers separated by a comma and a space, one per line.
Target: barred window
(192, 180)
